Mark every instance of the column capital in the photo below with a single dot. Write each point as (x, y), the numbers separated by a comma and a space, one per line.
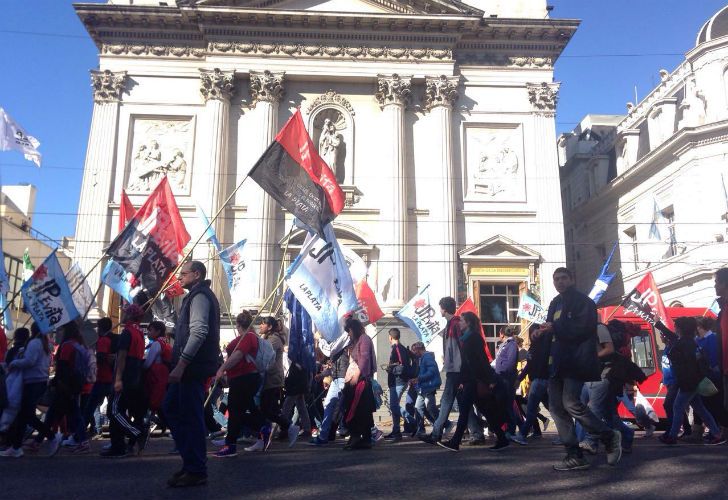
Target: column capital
(107, 85)
(216, 84)
(266, 86)
(393, 89)
(543, 97)
(441, 91)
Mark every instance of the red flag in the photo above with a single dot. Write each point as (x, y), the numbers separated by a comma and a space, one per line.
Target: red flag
(469, 306)
(174, 288)
(368, 301)
(294, 174)
(126, 211)
(645, 302)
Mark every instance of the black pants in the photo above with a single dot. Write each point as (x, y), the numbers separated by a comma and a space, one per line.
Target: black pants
(26, 416)
(241, 406)
(126, 416)
(492, 406)
(362, 421)
(270, 407)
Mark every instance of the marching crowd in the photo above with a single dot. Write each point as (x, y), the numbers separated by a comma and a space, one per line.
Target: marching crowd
(576, 367)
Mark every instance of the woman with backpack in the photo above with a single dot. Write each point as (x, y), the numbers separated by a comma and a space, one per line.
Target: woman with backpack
(243, 383)
(686, 369)
(33, 364)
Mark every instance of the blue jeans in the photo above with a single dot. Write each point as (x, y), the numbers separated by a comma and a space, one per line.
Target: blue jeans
(395, 396)
(426, 407)
(596, 395)
(691, 398)
(513, 419)
(183, 408)
(452, 381)
(331, 406)
(537, 394)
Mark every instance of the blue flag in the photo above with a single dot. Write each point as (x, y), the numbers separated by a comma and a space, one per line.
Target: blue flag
(210, 231)
(122, 282)
(422, 317)
(300, 338)
(7, 313)
(234, 264)
(321, 281)
(604, 279)
(47, 297)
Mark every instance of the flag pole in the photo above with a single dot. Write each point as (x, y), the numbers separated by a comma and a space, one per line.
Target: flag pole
(280, 270)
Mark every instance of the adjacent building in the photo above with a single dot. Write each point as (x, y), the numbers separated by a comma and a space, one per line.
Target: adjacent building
(654, 181)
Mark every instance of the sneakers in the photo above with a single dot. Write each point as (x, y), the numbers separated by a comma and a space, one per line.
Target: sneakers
(393, 438)
(81, 449)
(317, 441)
(217, 434)
(448, 445)
(477, 442)
(54, 445)
(70, 442)
(227, 451)
(517, 438)
(111, 453)
(714, 441)
(429, 439)
(293, 435)
(499, 445)
(377, 436)
(11, 452)
(259, 445)
(187, 479)
(588, 447)
(665, 439)
(218, 442)
(614, 448)
(572, 463)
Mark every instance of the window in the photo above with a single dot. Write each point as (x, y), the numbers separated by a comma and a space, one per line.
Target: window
(631, 233)
(642, 354)
(498, 309)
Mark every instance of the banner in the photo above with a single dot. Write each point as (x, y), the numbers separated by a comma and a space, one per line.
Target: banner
(7, 314)
(293, 173)
(209, 230)
(28, 267)
(369, 310)
(300, 335)
(126, 211)
(604, 279)
(320, 280)
(14, 137)
(422, 317)
(530, 310)
(646, 303)
(149, 247)
(469, 306)
(83, 297)
(47, 297)
(234, 264)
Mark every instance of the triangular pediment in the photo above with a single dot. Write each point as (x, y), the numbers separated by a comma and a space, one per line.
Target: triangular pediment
(499, 248)
(348, 6)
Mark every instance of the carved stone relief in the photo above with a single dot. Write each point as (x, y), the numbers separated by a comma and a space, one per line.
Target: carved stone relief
(159, 147)
(495, 165)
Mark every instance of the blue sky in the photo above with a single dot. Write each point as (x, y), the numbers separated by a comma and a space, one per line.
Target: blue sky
(44, 84)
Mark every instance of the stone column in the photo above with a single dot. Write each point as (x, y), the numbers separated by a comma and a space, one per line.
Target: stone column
(94, 217)
(441, 93)
(394, 93)
(216, 88)
(266, 92)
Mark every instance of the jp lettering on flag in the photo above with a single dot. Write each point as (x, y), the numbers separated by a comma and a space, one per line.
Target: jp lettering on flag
(320, 280)
(469, 306)
(294, 174)
(47, 296)
(14, 137)
(369, 310)
(604, 279)
(83, 297)
(422, 317)
(149, 248)
(530, 310)
(234, 264)
(645, 302)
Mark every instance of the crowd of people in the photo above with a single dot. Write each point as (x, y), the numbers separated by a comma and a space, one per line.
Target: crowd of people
(572, 365)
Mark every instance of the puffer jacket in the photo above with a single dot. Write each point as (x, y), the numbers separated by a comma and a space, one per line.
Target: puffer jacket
(275, 376)
(429, 379)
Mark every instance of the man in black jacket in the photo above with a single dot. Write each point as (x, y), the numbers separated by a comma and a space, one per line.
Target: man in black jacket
(572, 326)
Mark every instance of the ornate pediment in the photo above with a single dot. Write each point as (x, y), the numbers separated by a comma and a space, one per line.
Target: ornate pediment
(499, 248)
(350, 6)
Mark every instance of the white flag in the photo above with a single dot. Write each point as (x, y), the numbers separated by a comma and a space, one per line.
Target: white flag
(83, 297)
(13, 136)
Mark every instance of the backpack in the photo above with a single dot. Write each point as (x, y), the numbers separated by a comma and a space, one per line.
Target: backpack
(84, 365)
(407, 369)
(265, 358)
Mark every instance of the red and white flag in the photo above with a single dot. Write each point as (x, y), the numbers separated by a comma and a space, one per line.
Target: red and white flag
(126, 211)
(645, 302)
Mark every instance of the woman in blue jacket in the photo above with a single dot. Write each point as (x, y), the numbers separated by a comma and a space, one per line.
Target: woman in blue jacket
(428, 381)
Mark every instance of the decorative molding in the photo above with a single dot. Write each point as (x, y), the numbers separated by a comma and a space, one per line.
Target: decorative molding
(217, 84)
(543, 96)
(153, 50)
(108, 86)
(394, 90)
(329, 51)
(441, 91)
(266, 86)
(501, 60)
(331, 97)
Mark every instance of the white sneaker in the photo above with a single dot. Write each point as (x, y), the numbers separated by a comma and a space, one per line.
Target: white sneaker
(11, 452)
(258, 446)
(54, 444)
(293, 435)
(70, 442)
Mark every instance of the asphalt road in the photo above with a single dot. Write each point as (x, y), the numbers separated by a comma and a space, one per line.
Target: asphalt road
(409, 469)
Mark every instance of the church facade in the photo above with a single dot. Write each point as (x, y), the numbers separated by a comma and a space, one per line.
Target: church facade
(437, 117)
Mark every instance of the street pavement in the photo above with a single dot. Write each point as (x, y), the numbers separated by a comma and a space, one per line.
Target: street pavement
(410, 469)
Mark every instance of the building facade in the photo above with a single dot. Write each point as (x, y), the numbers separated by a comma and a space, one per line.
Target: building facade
(436, 116)
(654, 180)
